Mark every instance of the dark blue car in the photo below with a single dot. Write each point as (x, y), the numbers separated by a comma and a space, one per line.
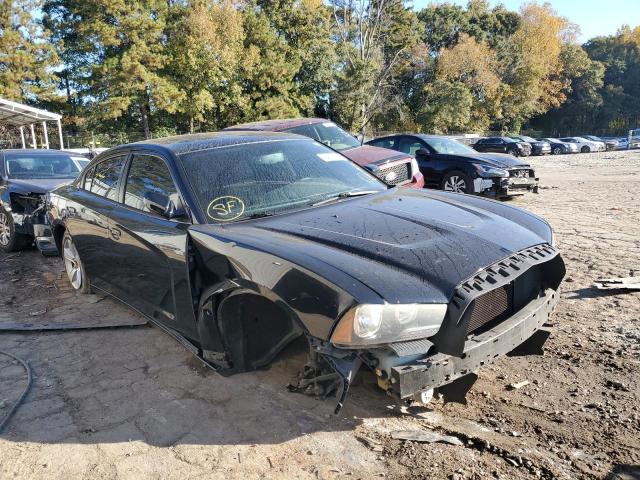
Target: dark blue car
(450, 165)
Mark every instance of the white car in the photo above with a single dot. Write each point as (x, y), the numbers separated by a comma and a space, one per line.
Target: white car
(585, 145)
(623, 143)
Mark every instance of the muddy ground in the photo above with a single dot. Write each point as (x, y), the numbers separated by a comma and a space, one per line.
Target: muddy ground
(134, 403)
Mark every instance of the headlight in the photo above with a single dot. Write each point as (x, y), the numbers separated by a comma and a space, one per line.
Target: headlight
(414, 167)
(486, 171)
(367, 325)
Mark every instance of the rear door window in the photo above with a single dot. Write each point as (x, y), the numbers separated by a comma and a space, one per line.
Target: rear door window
(410, 145)
(105, 176)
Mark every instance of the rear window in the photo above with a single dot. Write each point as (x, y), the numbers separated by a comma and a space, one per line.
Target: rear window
(103, 178)
(40, 165)
(328, 133)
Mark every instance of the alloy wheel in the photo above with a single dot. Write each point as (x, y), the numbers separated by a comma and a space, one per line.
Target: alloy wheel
(72, 263)
(557, 151)
(455, 184)
(5, 229)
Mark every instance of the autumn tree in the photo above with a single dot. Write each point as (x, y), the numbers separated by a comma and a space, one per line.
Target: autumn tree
(205, 47)
(472, 66)
(373, 39)
(534, 74)
(26, 53)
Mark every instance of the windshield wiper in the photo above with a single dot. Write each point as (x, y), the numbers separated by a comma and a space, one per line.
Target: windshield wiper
(355, 193)
(259, 215)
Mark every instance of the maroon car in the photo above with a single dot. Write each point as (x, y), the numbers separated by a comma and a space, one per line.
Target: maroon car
(391, 167)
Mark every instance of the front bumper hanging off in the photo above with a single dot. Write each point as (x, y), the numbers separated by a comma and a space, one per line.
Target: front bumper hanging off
(506, 187)
(440, 369)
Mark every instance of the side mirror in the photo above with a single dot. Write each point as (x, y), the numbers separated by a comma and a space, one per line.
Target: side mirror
(423, 152)
(163, 205)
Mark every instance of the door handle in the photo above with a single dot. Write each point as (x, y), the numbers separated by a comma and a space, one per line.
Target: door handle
(115, 233)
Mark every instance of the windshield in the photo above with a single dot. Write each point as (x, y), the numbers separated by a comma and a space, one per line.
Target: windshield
(328, 133)
(446, 145)
(46, 165)
(527, 139)
(265, 178)
(509, 140)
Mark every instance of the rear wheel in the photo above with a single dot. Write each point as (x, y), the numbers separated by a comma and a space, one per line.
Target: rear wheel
(73, 265)
(585, 149)
(458, 182)
(10, 240)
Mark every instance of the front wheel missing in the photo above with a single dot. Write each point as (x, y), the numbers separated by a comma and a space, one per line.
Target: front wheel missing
(326, 376)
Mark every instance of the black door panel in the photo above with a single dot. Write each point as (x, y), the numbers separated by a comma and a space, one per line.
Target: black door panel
(150, 255)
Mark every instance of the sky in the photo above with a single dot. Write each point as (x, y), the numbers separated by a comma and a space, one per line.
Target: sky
(595, 17)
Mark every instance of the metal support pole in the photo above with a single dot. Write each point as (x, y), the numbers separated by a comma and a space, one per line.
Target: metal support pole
(60, 134)
(46, 135)
(33, 137)
(24, 145)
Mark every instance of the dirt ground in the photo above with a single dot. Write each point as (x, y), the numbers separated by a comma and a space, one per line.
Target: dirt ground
(133, 403)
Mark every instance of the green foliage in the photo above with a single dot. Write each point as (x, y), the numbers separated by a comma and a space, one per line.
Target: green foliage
(25, 53)
(141, 68)
(605, 93)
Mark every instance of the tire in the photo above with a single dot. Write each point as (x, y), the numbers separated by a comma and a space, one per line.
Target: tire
(585, 149)
(458, 182)
(10, 241)
(557, 150)
(73, 265)
(515, 152)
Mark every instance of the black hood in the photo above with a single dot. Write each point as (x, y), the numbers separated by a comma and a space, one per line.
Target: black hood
(499, 160)
(37, 185)
(404, 245)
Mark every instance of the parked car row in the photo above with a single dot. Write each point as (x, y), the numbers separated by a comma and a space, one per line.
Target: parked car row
(243, 240)
(523, 146)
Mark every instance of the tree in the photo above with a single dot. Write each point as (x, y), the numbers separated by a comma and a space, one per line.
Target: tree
(289, 58)
(604, 96)
(534, 75)
(374, 38)
(205, 48)
(26, 54)
(128, 58)
(473, 66)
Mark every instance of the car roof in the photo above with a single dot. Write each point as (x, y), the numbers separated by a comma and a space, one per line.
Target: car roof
(181, 144)
(423, 136)
(276, 125)
(39, 151)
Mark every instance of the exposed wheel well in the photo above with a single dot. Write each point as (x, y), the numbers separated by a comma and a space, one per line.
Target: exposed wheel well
(252, 329)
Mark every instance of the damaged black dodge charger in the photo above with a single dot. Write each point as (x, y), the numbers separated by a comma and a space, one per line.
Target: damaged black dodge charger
(25, 178)
(240, 242)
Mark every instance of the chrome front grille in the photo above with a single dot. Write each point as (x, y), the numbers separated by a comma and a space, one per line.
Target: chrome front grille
(395, 174)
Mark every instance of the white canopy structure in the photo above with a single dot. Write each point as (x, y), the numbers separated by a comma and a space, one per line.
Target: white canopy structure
(21, 116)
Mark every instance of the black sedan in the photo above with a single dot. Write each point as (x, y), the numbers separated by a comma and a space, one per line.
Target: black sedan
(538, 147)
(450, 165)
(558, 147)
(240, 242)
(503, 145)
(25, 178)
